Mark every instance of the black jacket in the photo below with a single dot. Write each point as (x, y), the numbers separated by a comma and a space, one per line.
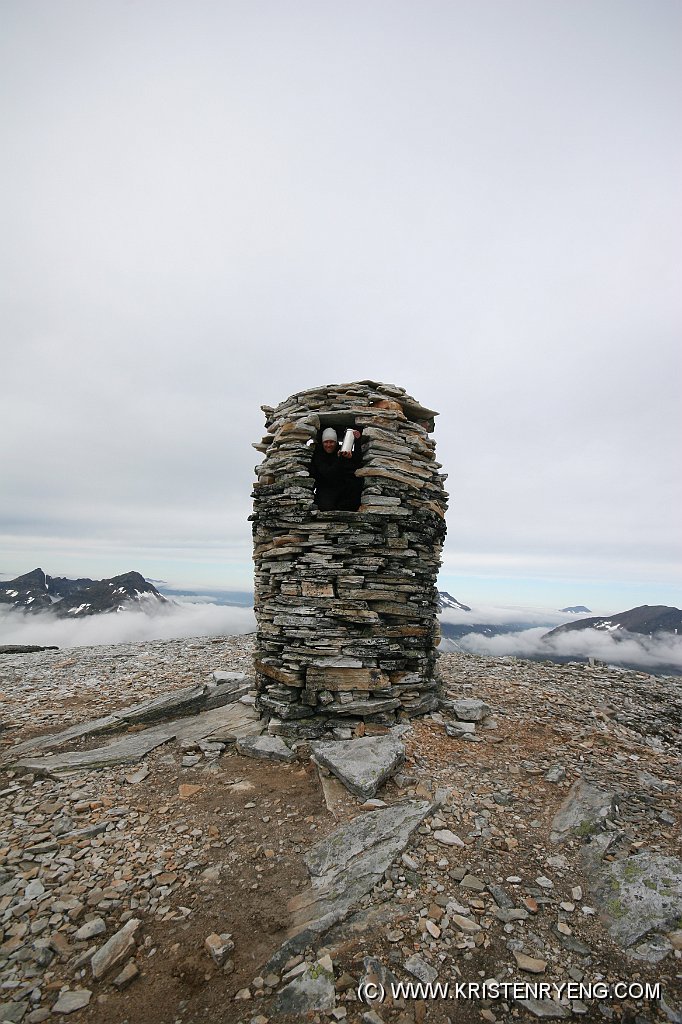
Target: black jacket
(336, 486)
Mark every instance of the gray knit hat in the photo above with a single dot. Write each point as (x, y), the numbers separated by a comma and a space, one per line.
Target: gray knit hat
(329, 434)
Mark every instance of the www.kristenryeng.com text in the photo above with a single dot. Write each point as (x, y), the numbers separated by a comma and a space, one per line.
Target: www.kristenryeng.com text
(371, 992)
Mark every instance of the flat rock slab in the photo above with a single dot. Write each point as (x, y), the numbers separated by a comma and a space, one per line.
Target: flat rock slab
(362, 765)
(583, 811)
(468, 709)
(344, 867)
(116, 949)
(71, 1001)
(634, 896)
(187, 701)
(124, 751)
(271, 748)
(229, 723)
(14, 1011)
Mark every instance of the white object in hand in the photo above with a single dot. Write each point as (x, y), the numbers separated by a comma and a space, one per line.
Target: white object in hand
(348, 440)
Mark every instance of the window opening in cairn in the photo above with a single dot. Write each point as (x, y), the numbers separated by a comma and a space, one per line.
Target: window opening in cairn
(336, 455)
(346, 602)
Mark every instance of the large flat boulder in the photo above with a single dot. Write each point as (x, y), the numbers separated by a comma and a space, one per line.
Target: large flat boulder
(469, 709)
(190, 700)
(636, 895)
(362, 765)
(227, 723)
(344, 867)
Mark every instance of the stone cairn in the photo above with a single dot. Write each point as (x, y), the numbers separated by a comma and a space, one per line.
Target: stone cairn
(346, 602)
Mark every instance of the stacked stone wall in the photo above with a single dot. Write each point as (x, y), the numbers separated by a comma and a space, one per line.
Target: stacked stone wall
(346, 602)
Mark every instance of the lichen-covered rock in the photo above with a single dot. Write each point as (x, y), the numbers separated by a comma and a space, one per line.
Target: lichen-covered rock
(343, 867)
(636, 895)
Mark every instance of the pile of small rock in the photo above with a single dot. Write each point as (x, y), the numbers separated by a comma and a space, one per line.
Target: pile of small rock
(346, 602)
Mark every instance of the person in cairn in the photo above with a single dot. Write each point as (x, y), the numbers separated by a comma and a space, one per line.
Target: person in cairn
(336, 485)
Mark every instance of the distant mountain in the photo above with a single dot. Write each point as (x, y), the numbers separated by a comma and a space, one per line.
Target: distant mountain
(577, 609)
(647, 620)
(446, 600)
(38, 592)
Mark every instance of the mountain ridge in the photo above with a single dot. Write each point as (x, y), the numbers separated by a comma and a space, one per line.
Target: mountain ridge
(644, 620)
(36, 591)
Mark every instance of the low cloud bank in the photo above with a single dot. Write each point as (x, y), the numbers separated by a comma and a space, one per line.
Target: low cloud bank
(171, 622)
(655, 653)
(502, 615)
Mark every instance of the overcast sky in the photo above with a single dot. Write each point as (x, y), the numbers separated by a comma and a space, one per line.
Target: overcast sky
(212, 205)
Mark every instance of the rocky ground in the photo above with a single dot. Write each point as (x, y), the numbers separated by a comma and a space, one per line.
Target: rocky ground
(536, 843)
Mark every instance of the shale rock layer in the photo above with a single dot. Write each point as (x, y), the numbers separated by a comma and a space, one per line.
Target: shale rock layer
(346, 602)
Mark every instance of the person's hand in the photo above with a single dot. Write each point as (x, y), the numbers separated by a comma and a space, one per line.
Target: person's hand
(346, 455)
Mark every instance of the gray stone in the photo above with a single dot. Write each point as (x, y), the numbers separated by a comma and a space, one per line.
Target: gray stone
(219, 947)
(116, 949)
(571, 942)
(69, 1002)
(231, 680)
(425, 972)
(189, 700)
(38, 1016)
(222, 723)
(511, 914)
(447, 838)
(583, 811)
(90, 929)
(124, 751)
(13, 1012)
(636, 895)
(465, 924)
(473, 883)
(556, 774)
(501, 896)
(36, 888)
(468, 709)
(127, 975)
(311, 990)
(652, 951)
(460, 729)
(382, 978)
(344, 867)
(364, 707)
(271, 748)
(362, 765)
(670, 1010)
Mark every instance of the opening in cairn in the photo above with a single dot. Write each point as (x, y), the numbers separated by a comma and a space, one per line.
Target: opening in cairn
(347, 549)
